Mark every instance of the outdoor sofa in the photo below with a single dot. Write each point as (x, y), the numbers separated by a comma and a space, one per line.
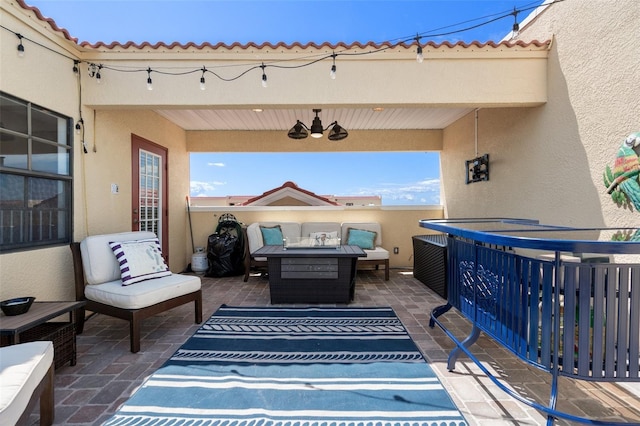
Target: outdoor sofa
(366, 234)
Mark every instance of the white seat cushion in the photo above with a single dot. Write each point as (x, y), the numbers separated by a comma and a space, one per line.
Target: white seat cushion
(376, 254)
(22, 368)
(144, 293)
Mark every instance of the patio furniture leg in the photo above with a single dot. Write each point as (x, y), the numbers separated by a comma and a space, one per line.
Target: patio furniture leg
(47, 405)
(198, 308)
(386, 269)
(134, 334)
(80, 314)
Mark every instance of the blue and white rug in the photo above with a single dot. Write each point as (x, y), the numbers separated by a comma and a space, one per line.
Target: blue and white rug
(295, 367)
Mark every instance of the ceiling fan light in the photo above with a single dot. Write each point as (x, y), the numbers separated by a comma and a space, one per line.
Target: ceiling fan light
(301, 131)
(316, 127)
(337, 133)
(298, 131)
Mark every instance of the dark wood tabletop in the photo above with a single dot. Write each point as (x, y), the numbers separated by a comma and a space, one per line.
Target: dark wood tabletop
(39, 313)
(280, 251)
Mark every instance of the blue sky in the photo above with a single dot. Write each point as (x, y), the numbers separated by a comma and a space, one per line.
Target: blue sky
(400, 178)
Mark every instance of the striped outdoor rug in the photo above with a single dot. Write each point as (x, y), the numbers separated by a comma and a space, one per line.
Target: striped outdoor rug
(294, 366)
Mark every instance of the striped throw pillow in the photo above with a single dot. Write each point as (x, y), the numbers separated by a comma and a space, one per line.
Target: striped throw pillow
(139, 260)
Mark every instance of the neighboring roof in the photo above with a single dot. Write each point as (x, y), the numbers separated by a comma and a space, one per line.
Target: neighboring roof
(265, 45)
(289, 190)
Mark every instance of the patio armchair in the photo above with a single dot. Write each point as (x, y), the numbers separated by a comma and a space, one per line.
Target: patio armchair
(100, 281)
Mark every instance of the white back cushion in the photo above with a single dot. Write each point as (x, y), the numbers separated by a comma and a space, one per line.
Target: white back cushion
(254, 237)
(99, 262)
(289, 229)
(309, 227)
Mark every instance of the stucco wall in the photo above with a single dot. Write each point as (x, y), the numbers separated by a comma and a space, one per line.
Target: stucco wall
(46, 78)
(111, 163)
(43, 273)
(547, 162)
(399, 223)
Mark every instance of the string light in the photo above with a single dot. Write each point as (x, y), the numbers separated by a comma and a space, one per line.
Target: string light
(515, 31)
(419, 55)
(79, 125)
(20, 46)
(264, 76)
(203, 86)
(95, 70)
(80, 131)
(149, 81)
(332, 74)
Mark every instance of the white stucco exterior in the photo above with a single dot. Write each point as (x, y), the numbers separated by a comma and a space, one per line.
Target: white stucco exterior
(547, 162)
(551, 115)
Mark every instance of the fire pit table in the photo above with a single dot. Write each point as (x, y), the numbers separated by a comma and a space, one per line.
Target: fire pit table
(318, 274)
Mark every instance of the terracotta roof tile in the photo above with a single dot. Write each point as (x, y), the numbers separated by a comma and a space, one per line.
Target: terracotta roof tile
(50, 21)
(279, 45)
(292, 185)
(282, 45)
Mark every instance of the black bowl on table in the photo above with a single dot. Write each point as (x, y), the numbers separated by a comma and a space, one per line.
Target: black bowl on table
(17, 306)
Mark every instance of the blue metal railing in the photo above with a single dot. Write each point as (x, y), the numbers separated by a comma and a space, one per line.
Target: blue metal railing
(575, 319)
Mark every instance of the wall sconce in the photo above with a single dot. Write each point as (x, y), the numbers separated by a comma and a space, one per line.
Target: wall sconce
(301, 131)
(478, 169)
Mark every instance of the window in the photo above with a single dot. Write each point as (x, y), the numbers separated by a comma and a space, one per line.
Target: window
(35, 176)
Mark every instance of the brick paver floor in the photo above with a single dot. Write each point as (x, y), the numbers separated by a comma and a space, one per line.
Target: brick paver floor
(106, 373)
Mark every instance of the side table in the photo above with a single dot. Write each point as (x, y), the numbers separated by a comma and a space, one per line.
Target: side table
(33, 325)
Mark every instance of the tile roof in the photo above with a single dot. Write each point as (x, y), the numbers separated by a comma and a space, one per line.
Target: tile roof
(292, 187)
(279, 45)
(50, 21)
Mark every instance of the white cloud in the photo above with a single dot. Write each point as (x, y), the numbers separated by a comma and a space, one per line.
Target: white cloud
(421, 192)
(204, 189)
(216, 164)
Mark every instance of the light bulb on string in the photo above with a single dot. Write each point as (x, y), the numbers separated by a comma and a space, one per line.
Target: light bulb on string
(20, 46)
(149, 81)
(419, 55)
(264, 76)
(94, 71)
(332, 74)
(515, 30)
(203, 85)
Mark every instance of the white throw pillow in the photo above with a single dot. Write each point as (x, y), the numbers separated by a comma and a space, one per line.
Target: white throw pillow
(324, 238)
(139, 260)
